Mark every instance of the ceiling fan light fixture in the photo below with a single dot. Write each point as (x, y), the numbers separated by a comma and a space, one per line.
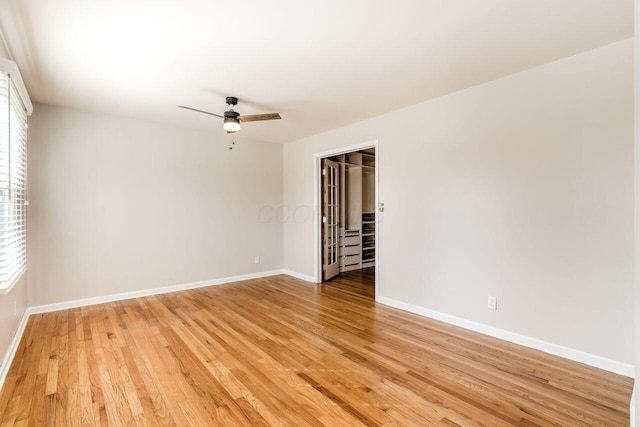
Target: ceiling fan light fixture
(231, 124)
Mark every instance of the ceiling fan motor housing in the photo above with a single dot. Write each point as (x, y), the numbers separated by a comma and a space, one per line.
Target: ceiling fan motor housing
(231, 114)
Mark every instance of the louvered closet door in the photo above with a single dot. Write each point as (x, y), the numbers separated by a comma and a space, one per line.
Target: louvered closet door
(330, 218)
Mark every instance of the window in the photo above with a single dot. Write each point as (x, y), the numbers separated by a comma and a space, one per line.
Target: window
(13, 178)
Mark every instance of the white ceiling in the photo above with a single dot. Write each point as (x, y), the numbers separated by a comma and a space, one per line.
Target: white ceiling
(321, 64)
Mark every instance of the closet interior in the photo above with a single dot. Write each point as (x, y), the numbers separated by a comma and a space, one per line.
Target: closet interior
(349, 219)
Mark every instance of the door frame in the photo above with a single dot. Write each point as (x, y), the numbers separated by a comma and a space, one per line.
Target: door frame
(317, 223)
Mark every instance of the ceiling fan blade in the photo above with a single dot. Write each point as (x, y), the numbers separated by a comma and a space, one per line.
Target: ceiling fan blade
(231, 131)
(200, 111)
(258, 117)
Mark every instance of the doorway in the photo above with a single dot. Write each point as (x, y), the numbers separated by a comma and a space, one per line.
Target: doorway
(346, 232)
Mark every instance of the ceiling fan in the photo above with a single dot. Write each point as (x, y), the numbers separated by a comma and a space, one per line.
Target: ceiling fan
(232, 119)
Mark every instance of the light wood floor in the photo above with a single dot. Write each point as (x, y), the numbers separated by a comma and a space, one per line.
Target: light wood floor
(279, 351)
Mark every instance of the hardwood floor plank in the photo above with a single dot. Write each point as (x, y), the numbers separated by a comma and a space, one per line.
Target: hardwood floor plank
(279, 351)
(10, 409)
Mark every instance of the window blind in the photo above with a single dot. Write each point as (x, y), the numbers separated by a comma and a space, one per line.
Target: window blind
(13, 183)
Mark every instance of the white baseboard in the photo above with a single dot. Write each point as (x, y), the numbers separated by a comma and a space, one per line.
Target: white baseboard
(568, 353)
(547, 347)
(13, 347)
(300, 276)
(147, 292)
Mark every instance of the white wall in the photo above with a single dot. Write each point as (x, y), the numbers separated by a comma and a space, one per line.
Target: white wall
(121, 205)
(520, 188)
(17, 298)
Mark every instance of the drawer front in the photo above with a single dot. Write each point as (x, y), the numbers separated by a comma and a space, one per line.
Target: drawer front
(352, 250)
(350, 240)
(350, 259)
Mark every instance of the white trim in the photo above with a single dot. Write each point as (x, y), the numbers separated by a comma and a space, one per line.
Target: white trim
(13, 347)
(377, 263)
(547, 347)
(147, 292)
(317, 167)
(11, 68)
(6, 290)
(347, 149)
(300, 276)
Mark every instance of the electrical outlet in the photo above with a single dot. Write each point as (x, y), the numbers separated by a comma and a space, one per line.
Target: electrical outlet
(492, 303)
(257, 260)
